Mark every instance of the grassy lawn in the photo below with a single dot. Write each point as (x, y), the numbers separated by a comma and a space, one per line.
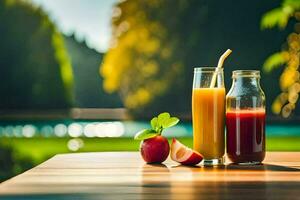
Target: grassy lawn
(25, 153)
(39, 149)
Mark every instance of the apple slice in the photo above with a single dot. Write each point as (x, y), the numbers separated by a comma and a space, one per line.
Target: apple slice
(183, 154)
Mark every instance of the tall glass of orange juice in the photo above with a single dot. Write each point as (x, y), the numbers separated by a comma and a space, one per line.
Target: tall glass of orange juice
(208, 109)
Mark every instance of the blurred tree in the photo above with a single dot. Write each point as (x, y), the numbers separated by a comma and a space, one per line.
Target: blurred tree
(34, 65)
(287, 57)
(88, 90)
(156, 44)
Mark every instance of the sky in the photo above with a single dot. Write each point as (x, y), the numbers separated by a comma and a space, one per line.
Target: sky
(89, 19)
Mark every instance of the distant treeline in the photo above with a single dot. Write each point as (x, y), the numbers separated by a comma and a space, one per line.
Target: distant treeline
(88, 90)
(34, 66)
(42, 69)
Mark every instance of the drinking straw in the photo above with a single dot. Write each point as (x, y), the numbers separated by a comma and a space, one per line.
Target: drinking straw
(220, 65)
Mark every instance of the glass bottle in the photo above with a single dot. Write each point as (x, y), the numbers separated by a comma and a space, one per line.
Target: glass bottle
(245, 118)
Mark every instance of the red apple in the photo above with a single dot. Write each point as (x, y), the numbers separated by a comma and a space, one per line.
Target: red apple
(155, 149)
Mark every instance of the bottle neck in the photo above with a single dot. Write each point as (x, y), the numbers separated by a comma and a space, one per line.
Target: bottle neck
(246, 82)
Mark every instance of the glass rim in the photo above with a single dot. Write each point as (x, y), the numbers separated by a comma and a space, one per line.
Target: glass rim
(246, 73)
(208, 69)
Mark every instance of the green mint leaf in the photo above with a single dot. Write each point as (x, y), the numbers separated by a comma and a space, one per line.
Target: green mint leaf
(154, 124)
(145, 134)
(170, 122)
(162, 117)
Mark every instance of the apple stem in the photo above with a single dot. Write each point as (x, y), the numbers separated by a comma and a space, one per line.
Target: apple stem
(160, 130)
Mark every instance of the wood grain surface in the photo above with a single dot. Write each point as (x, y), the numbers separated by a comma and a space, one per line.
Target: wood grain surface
(124, 175)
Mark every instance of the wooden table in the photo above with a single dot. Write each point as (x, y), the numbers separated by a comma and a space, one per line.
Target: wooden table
(124, 175)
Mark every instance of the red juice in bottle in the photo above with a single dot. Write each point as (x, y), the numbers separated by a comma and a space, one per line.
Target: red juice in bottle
(245, 135)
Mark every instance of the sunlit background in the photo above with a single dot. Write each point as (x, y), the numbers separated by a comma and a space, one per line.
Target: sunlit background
(80, 75)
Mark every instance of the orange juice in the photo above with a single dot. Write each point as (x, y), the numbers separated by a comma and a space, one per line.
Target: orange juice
(208, 105)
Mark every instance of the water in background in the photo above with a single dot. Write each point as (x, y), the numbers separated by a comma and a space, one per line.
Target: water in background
(69, 128)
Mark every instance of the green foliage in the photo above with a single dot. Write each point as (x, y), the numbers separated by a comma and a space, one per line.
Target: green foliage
(62, 58)
(164, 120)
(12, 163)
(274, 61)
(154, 49)
(35, 67)
(170, 122)
(275, 17)
(154, 123)
(145, 134)
(289, 57)
(158, 124)
(293, 4)
(280, 16)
